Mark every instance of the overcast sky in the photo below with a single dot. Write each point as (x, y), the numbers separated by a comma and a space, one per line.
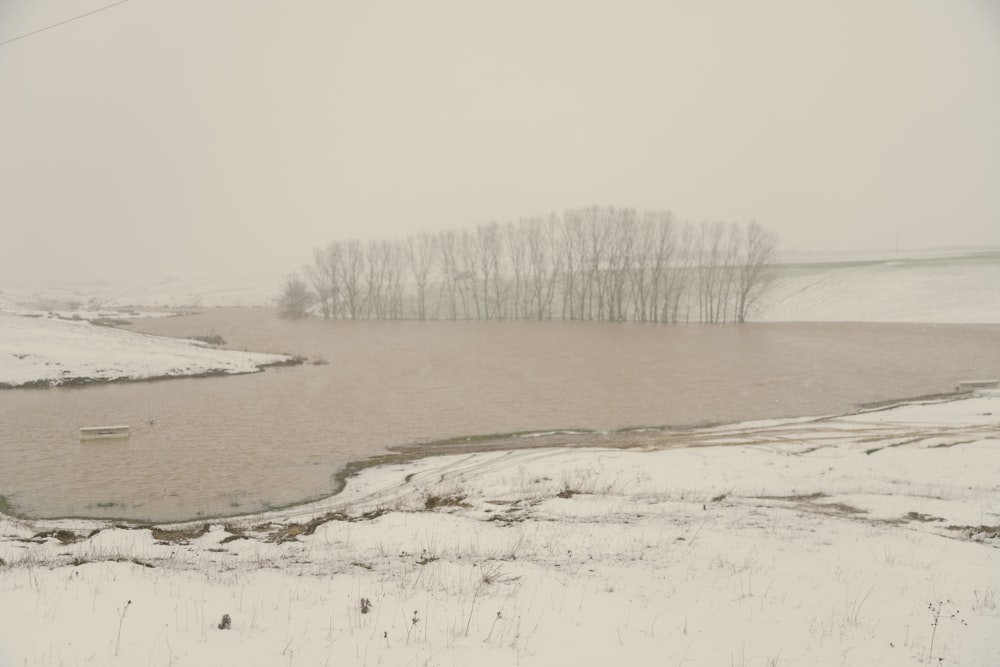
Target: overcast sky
(194, 138)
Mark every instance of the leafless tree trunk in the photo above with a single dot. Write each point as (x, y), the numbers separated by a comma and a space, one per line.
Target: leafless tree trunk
(597, 236)
(605, 263)
(468, 277)
(679, 275)
(642, 268)
(421, 255)
(758, 250)
(394, 280)
(322, 275)
(572, 253)
(620, 241)
(352, 269)
(374, 280)
(450, 268)
(708, 251)
(486, 250)
(515, 238)
(543, 260)
(295, 298)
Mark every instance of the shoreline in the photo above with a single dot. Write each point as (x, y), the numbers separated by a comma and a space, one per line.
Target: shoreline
(78, 382)
(627, 438)
(832, 540)
(630, 430)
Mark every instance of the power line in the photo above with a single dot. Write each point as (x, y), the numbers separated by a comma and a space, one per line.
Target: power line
(70, 20)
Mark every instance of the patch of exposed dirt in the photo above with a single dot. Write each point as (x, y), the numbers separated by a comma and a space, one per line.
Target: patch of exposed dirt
(178, 535)
(289, 532)
(64, 536)
(432, 502)
(978, 533)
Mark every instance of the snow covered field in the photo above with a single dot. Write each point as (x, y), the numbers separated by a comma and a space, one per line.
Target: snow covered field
(50, 350)
(869, 539)
(929, 287)
(223, 292)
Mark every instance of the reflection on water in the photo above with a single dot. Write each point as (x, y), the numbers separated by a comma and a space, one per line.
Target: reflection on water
(231, 445)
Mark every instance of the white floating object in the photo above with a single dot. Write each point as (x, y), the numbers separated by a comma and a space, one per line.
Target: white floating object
(94, 432)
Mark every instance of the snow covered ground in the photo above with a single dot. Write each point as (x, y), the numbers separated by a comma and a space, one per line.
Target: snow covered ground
(928, 287)
(223, 292)
(869, 539)
(49, 350)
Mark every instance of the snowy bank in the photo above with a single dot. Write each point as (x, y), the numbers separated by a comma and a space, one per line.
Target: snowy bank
(964, 288)
(47, 350)
(868, 539)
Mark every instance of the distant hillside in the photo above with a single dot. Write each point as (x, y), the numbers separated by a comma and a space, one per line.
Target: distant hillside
(930, 286)
(927, 288)
(229, 292)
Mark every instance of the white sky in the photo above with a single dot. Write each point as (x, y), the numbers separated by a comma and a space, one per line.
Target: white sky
(194, 138)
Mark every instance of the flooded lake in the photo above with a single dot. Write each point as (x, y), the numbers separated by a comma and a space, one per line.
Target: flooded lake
(238, 444)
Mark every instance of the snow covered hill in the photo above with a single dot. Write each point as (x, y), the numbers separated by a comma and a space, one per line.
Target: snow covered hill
(50, 350)
(935, 288)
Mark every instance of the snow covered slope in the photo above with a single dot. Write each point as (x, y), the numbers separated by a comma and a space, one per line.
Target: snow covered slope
(225, 292)
(49, 350)
(958, 289)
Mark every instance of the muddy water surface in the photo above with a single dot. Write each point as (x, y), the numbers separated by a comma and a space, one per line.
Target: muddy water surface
(231, 445)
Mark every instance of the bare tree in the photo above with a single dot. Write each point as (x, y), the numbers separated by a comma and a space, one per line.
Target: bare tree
(394, 279)
(571, 246)
(544, 265)
(352, 269)
(295, 298)
(421, 255)
(596, 231)
(452, 269)
(605, 263)
(752, 280)
(621, 232)
(678, 276)
(376, 278)
(323, 276)
(486, 251)
(726, 267)
(708, 251)
(468, 277)
(515, 240)
(643, 269)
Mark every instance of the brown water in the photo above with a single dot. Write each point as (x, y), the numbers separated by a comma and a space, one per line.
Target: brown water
(231, 445)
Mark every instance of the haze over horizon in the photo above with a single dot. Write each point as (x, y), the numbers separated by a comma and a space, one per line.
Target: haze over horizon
(196, 139)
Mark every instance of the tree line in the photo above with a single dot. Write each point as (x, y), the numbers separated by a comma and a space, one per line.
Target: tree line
(595, 263)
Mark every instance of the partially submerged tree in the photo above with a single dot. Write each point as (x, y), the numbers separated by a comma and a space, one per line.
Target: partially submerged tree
(752, 279)
(596, 263)
(295, 298)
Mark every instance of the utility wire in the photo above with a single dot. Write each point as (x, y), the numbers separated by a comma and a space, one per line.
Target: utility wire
(70, 20)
